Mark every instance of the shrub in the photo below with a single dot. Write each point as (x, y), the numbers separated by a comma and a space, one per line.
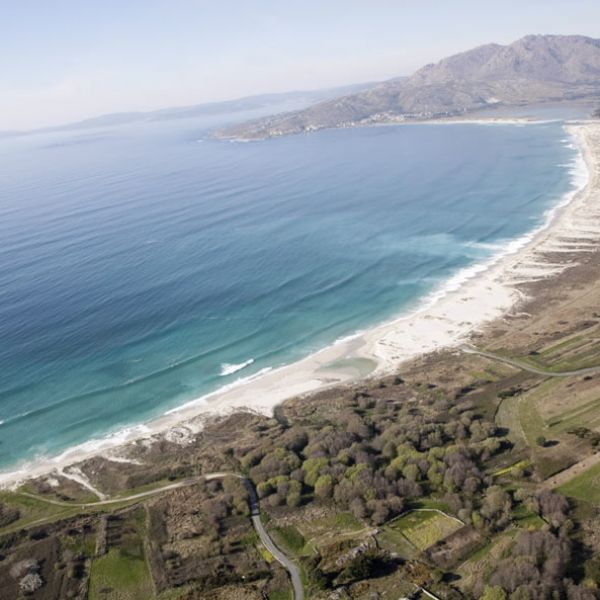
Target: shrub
(24, 567)
(493, 593)
(30, 583)
(324, 486)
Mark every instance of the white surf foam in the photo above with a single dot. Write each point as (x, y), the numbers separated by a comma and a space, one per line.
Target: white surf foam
(230, 369)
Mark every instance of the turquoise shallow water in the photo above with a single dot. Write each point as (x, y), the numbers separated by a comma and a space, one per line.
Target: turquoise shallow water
(144, 266)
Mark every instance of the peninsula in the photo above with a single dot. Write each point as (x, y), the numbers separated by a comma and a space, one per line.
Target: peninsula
(535, 70)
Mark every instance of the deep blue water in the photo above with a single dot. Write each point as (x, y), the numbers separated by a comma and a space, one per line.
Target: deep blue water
(137, 261)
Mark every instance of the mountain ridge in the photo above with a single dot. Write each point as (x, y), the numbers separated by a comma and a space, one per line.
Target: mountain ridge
(534, 69)
(232, 106)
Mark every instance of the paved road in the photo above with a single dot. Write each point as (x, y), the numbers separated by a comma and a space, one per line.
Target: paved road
(525, 367)
(280, 557)
(265, 538)
(269, 544)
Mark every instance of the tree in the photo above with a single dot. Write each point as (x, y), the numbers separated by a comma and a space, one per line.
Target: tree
(592, 569)
(265, 488)
(314, 573)
(379, 511)
(521, 593)
(357, 506)
(324, 486)
(312, 468)
(411, 472)
(361, 567)
(540, 441)
(493, 593)
(293, 499)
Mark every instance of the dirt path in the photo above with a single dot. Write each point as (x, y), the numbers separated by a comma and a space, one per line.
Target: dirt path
(147, 494)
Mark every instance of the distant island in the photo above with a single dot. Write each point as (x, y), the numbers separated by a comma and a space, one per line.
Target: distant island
(533, 70)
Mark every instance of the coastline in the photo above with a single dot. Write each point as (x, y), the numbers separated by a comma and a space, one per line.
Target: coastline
(521, 121)
(473, 298)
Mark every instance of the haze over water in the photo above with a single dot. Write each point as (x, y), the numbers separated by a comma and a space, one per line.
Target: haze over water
(143, 266)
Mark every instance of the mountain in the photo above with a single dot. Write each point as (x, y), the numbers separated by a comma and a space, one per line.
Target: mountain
(276, 102)
(247, 103)
(532, 70)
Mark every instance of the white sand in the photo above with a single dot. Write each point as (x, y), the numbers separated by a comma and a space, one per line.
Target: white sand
(79, 477)
(472, 299)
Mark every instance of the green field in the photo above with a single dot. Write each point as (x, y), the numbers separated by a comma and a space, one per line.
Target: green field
(584, 487)
(120, 575)
(307, 536)
(291, 538)
(33, 511)
(423, 529)
(123, 573)
(526, 519)
(575, 352)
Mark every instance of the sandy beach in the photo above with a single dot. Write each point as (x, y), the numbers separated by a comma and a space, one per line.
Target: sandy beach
(472, 299)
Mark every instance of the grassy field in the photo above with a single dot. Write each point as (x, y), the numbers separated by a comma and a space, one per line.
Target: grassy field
(586, 414)
(481, 563)
(423, 529)
(120, 575)
(525, 519)
(576, 351)
(291, 538)
(394, 541)
(306, 536)
(551, 407)
(547, 411)
(32, 511)
(280, 595)
(123, 573)
(175, 594)
(584, 487)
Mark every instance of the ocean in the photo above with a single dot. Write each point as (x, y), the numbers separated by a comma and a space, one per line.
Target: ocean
(146, 265)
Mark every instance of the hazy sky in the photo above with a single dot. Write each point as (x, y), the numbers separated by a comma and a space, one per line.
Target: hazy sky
(62, 60)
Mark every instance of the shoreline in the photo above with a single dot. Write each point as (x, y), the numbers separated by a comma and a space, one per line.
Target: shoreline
(473, 298)
(520, 121)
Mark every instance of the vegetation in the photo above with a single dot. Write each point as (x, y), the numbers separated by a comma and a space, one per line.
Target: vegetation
(120, 574)
(585, 486)
(431, 479)
(423, 529)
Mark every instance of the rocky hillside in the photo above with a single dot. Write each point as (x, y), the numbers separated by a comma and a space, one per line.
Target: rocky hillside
(534, 69)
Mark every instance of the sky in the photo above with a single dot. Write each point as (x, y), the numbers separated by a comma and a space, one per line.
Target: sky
(65, 60)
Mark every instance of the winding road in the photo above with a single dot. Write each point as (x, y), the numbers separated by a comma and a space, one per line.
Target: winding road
(265, 538)
(525, 367)
(280, 557)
